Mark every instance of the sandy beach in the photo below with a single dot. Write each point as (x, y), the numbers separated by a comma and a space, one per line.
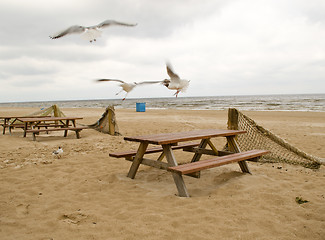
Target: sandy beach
(86, 194)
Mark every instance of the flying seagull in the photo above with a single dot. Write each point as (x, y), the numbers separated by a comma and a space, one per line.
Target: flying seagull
(175, 82)
(127, 87)
(90, 33)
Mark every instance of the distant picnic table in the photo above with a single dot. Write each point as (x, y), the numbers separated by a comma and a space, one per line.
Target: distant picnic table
(10, 122)
(35, 125)
(168, 142)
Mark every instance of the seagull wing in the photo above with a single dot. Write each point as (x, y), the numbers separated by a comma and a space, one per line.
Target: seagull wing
(70, 30)
(148, 82)
(171, 74)
(110, 80)
(108, 23)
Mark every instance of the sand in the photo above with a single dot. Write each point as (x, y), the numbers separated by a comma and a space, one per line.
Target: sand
(86, 194)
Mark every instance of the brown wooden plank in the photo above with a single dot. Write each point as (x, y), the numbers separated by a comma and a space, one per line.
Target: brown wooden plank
(54, 129)
(206, 151)
(215, 162)
(170, 138)
(151, 150)
(38, 119)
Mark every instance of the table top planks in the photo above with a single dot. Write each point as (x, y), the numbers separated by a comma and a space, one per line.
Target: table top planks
(8, 117)
(172, 138)
(34, 119)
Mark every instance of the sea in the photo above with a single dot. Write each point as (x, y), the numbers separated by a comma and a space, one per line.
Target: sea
(296, 102)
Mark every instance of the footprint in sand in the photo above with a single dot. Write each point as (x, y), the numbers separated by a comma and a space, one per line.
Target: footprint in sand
(22, 210)
(77, 218)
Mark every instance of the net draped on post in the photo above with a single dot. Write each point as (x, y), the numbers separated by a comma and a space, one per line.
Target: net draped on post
(54, 111)
(258, 137)
(107, 123)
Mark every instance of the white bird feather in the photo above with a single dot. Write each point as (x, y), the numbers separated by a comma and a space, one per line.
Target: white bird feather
(90, 33)
(127, 87)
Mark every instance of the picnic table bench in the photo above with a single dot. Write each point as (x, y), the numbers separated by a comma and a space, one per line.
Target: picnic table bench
(216, 162)
(173, 141)
(65, 129)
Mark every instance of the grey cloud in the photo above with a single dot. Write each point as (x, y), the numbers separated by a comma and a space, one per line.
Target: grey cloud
(214, 43)
(55, 52)
(27, 82)
(155, 18)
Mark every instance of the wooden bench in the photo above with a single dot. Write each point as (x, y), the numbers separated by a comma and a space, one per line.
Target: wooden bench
(18, 125)
(193, 167)
(132, 153)
(36, 131)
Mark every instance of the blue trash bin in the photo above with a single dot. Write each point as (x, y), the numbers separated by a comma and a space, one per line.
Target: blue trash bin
(141, 107)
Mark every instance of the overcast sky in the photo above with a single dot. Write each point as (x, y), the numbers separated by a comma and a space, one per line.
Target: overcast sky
(225, 47)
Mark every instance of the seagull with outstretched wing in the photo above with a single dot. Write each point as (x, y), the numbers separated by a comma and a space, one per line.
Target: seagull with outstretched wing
(127, 87)
(90, 33)
(175, 82)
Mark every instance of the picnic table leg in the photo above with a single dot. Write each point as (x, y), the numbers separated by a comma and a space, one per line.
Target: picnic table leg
(34, 136)
(137, 159)
(4, 126)
(178, 179)
(197, 157)
(66, 131)
(214, 149)
(202, 145)
(77, 133)
(25, 129)
(232, 143)
(10, 127)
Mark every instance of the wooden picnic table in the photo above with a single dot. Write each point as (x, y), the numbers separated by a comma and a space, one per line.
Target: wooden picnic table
(9, 122)
(34, 125)
(169, 142)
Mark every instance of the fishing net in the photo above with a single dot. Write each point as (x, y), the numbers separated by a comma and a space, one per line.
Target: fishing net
(107, 123)
(50, 111)
(258, 137)
(15, 123)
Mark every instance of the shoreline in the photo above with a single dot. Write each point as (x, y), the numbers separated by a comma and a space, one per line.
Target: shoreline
(300, 102)
(164, 109)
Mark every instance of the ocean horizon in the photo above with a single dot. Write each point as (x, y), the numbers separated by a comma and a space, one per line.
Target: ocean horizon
(283, 102)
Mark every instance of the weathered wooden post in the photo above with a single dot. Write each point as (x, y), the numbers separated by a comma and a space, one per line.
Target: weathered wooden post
(111, 120)
(232, 119)
(55, 111)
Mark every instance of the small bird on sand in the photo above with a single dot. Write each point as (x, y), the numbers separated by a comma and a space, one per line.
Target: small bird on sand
(127, 87)
(90, 33)
(58, 153)
(175, 82)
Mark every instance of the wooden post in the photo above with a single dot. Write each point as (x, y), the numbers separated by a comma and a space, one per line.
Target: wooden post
(232, 119)
(111, 121)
